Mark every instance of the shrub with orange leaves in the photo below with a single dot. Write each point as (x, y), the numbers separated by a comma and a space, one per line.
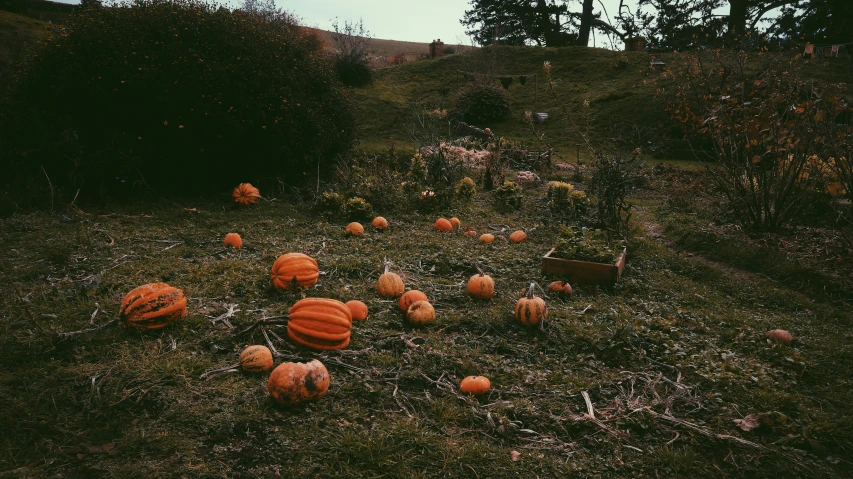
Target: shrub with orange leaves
(775, 136)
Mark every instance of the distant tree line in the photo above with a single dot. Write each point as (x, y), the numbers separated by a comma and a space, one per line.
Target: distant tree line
(670, 24)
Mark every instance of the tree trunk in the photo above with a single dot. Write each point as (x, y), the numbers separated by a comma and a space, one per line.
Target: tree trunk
(586, 23)
(737, 17)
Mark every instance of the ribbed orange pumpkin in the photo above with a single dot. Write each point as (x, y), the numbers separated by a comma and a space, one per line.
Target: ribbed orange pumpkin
(358, 310)
(454, 222)
(320, 323)
(475, 385)
(294, 269)
(246, 194)
(487, 238)
(442, 224)
(390, 285)
(294, 383)
(355, 229)
(518, 236)
(530, 310)
(560, 287)
(380, 223)
(233, 240)
(152, 306)
(420, 313)
(256, 359)
(481, 285)
(410, 297)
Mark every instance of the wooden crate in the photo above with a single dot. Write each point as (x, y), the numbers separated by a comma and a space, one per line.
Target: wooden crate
(584, 272)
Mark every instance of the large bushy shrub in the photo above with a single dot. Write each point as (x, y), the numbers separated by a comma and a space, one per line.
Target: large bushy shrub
(483, 103)
(181, 94)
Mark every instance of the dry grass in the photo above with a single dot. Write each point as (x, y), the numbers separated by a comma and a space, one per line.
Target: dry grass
(641, 381)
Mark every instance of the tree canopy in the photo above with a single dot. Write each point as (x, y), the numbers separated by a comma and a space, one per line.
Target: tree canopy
(670, 24)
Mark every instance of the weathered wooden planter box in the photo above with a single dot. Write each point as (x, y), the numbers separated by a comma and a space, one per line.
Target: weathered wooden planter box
(584, 272)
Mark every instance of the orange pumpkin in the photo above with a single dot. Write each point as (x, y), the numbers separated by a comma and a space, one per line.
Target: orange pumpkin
(152, 306)
(233, 240)
(561, 287)
(410, 297)
(442, 224)
(454, 222)
(420, 313)
(294, 270)
(470, 232)
(518, 236)
(294, 383)
(380, 223)
(390, 285)
(481, 285)
(487, 238)
(320, 324)
(358, 310)
(780, 336)
(256, 359)
(475, 385)
(530, 310)
(355, 229)
(245, 194)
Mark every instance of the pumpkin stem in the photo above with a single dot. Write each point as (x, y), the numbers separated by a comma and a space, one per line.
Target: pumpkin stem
(530, 290)
(479, 270)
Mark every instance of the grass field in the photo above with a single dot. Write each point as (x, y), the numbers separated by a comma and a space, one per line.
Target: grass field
(669, 359)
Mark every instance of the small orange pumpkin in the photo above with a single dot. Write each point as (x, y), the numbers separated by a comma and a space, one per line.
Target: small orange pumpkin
(152, 306)
(475, 385)
(358, 310)
(233, 240)
(294, 270)
(561, 287)
(245, 194)
(442, 224)
(380, 223)
(410, 297)
(294, 383)
(420, 313)
(355, 229)
(780, 336)
(487, 238)
(470, 232)
(256, 359)
(454, 222)
(320, 324)
(390, 285)
(481, 285)
(518, 236)
(530, 310)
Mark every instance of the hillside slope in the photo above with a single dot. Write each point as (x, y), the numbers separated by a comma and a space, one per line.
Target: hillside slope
(612, 82)
(624, 104)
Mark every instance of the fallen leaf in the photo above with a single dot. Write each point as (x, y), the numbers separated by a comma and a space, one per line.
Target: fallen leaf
(749, 422)
(515, 456)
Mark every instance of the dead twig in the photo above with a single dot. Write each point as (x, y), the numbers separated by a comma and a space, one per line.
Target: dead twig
(84, 331)
(264, 321)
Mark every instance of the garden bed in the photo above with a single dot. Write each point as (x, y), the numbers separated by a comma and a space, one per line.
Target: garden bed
(584, 272)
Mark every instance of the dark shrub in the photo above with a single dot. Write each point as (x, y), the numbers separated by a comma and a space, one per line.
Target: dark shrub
(353, 70)
(183, 95)
(483, 103)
